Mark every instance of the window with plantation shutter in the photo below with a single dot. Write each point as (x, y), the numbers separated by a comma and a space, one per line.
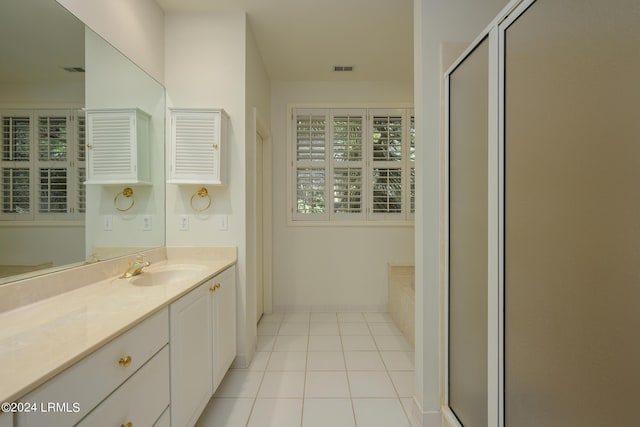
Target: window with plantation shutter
(311, 165)
(39, 165)
(352, 164)
(347, 141)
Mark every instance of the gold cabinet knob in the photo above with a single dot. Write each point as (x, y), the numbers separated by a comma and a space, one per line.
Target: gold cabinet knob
(124, 361)
(215, 146)
(129, 424)
(89, 145)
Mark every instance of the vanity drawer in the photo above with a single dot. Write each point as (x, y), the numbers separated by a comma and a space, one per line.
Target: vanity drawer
(139, 401)
(164, 420)
(84, 385)
(6, 420)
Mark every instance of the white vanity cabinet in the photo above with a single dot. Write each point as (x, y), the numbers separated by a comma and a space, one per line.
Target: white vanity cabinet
(223, 319)
(6, 420)
(115, 368)
(191, 352)
(203, 345)
(117, 146)
(198, 146)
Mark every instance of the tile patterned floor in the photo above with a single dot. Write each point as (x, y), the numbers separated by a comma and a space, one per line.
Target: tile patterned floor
(319, 370)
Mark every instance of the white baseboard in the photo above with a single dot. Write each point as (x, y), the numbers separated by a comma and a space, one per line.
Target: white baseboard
(241, 361)
(330, 308)
(419, 418)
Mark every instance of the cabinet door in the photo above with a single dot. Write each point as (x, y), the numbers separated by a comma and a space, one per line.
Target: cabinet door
(197, 146)
(6, 420)
(190, 343)
(224, 324)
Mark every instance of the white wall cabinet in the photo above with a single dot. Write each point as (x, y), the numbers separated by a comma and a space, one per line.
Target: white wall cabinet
(191, 353)
(198, 146)
(117, 146)
(223, 320)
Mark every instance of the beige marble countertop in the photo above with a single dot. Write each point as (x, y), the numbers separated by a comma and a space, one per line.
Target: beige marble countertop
(40, 339)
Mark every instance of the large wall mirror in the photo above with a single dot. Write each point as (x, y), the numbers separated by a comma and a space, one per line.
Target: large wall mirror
(52, 69)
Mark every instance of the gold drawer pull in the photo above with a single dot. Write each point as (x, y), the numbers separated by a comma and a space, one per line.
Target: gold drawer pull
(214, 287)
(124, 362)
(129, 424)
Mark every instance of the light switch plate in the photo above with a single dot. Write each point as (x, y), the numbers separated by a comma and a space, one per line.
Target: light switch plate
(146, 222)
(107, 222)
(223, 222)
(183, 222)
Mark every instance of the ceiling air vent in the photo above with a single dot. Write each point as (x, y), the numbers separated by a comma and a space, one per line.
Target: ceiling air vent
(74, 69)
(343, 68)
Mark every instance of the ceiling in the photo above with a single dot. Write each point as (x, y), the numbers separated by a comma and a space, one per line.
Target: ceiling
(302, 40)
(39, 38)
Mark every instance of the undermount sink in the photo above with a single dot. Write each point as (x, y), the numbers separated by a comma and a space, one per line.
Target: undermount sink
(166, 275)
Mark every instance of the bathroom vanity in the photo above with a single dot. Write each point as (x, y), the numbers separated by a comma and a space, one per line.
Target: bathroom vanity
(145, 351)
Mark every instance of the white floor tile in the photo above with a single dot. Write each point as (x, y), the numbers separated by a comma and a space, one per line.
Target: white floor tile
(379, 413)
(321, 384)
(240, 384)
(276, 413)
(384, 329)
(392, 343)
(354, 329)
(324, 317)
(291, 343)
(265, 342)
(363, 361)
(409, 407)
(398, 360)
(325, 343)
(282, 385)
(267, 328)
(287, 361)
(259, 362)
(371, 384)
(273, 317)
(294, 328)
(297, 317)
(226, 412)
(403, 382)
(358, 343)
(327, 412)
(325, 361)
(350, 317)
(324, 328)
(378, 317)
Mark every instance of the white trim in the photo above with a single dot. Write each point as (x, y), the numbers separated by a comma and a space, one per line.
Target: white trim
(449, 419)
(445, 220)
(42, 223)
(494, 383)
(267, 210)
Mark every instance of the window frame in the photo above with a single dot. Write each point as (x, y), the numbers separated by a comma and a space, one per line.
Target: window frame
(365, 217)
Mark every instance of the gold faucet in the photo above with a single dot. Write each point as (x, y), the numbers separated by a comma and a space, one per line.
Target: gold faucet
(136, 267)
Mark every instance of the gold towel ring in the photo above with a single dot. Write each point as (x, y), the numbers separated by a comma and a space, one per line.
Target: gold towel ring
(128, 193)
(201, 193)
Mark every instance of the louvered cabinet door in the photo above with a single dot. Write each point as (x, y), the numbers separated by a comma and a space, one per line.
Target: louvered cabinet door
(198, 139)
(117, 146)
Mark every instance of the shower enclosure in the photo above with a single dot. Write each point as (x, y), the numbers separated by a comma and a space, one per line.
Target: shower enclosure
(543, 244)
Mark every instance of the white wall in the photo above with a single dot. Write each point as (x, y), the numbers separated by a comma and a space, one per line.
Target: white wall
(435, 22)
(206, 67)
(136, 28)
(330, 267)
(258, 98)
